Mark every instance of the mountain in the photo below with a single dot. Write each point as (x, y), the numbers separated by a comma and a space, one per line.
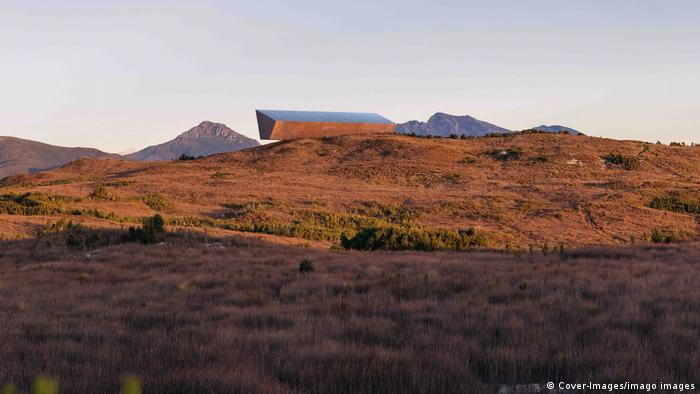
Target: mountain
(18, 156)
(557, 129)
(445, 124)
(205, 139)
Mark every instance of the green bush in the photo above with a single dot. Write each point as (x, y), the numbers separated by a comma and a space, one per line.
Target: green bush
(100, 193)
(45, 385)
(54, 227)
(413, 238)
(468, 159)
(218, 175)
(627, 162)
(390, 213)
(48, 385)
(156, 202)
(186, 157)
(244, 208)
(664, 236)
(539, 159)
(314, 225)
(9, 388)
(131, 385)
(193, 221)
(507, 154)
(306, 266)
(676, 203)
(149, 232)
(31, 204)
(76, 235)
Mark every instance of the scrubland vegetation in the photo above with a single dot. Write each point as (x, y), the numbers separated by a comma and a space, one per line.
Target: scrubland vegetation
(677, 203)
(31, 204)
(413, 238)
(626, 162)
(346, 265)
(156, 202)
(242, 315)
(507, 154)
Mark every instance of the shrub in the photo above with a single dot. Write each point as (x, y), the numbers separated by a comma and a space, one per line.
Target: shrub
(156, 202)
(53, 228)
(31, 204)
(507, 154)
(185, 157)
(45, 385)
(218, 175)
(244, 208)
(676, 203)
(74, 242)
(9, 388)
(131, 385)
(315, 225)
(468, 159)
(664, 236)
(627, 162)
(77, 236)
(306, 266)
(149, 232)
(100, 193)
(413, 238)
(388, 212)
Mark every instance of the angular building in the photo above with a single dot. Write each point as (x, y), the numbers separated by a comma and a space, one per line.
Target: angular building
(287, 125)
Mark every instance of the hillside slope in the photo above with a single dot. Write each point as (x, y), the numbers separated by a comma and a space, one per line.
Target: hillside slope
(520, 189)
(18, 156)
(205, 139)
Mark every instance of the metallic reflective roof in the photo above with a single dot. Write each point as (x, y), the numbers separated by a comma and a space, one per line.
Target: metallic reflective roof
(318, 116)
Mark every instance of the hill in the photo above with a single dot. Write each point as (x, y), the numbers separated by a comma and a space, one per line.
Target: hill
(520, 190)
(557, 129)
(205, 139)
(443, 125)
(18, 156)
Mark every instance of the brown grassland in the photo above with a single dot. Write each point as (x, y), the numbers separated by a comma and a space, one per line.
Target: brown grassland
(236, 315)
(585, 269)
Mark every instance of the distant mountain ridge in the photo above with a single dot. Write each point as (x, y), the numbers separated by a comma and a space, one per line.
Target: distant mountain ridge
(442, 124)
(18, 156)
(25, 156)
(205, 139)
(557, 129)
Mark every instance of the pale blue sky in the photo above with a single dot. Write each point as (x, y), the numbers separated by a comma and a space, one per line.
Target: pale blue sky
(126, 74)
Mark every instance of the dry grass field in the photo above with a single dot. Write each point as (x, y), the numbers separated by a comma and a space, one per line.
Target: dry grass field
(521, 190)
(582, 266)
(236, 315)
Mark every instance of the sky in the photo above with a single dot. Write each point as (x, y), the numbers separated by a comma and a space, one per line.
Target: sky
(122, 75)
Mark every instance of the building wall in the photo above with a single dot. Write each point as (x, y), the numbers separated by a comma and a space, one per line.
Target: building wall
(293, 130)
